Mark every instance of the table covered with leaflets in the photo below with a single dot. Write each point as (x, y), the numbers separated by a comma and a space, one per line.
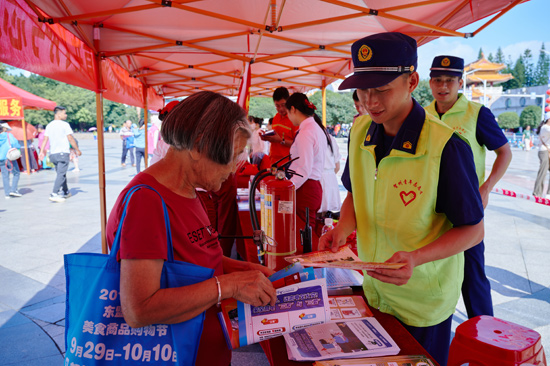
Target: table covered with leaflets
(405, 350)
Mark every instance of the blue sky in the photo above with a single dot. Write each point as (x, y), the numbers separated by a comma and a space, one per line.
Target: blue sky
(525, 26)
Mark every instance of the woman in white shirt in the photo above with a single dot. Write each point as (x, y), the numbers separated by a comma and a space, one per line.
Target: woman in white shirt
(329, 180)
(544, 157)
(310, 147)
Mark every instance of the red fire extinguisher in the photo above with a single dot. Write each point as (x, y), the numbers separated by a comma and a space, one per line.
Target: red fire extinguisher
(278, 219)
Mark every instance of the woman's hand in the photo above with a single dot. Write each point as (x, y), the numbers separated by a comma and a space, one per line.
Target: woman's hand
(399, 276)
(251, 287)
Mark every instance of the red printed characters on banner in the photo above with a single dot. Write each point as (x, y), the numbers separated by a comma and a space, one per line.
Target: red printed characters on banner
(408, 190)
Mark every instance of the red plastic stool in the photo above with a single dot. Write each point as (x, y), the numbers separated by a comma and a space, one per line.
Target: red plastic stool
(488, 341)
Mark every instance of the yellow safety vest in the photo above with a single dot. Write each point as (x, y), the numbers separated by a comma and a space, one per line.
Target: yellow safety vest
(395, 211)
(462, 118)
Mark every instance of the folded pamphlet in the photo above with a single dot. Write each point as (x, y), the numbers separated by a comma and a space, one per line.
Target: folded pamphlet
(343, 258)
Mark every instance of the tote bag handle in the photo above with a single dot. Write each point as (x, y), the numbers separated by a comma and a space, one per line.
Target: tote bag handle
(116, 243)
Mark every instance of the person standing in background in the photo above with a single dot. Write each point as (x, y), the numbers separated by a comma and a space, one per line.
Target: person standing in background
(257, 145)
(40, 137)
(329, 180)
(527, 138)
(7, 142)
(153, 137)
(285, 131)
(139, 143)
(310, 148)
(544, 157)
(126, 133)
(60, 135)
(478, 126)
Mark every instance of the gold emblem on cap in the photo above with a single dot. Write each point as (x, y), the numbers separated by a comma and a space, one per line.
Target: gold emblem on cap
(412, 68)
(365, 53)
(368, 138)
(407, 145)
(445, 62)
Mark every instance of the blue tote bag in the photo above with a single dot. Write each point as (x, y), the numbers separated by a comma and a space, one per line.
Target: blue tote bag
(95, 330)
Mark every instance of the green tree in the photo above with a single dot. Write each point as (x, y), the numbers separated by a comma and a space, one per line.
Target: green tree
(529, 68)
(340, 108)
(499, 56)
(423, 93)
(530, 116)
(518, 72)
(480, 54)
(4, 72)
(262, 107)
(542, 69)
(508, 120)
(491, 58)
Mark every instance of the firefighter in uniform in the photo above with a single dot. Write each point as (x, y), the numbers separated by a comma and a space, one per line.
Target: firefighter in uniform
(413, 194)
(478, 126)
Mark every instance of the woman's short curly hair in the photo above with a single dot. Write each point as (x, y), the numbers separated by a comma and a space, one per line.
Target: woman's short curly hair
(206, 121)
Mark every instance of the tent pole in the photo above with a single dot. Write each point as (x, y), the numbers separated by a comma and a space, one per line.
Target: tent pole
(145, 116)
(324, 107)
(24, 125)
(100, 142)
(101, 168)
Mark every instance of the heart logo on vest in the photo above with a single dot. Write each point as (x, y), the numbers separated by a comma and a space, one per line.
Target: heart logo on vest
(407, 197)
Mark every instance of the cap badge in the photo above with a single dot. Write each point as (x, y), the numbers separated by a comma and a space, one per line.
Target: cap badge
(446, 62)
(411, 68)
(407, 145)
(365, 53)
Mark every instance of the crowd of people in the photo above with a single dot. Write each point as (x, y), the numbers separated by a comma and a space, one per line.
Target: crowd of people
(415, 178)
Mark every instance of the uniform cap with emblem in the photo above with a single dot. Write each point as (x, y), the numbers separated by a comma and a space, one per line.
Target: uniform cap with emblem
(447, 65)
(379, 59)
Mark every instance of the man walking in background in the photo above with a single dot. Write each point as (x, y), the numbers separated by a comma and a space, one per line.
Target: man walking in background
(60, 135)
(126, 135)
(478, 126)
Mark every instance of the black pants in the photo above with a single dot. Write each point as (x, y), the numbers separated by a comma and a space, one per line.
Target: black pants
(140, 153)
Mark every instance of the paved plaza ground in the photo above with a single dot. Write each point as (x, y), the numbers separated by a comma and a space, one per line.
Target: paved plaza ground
(36, 233)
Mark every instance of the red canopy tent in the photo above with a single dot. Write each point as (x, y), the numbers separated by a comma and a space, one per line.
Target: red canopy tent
(26, 101)
(136, 50)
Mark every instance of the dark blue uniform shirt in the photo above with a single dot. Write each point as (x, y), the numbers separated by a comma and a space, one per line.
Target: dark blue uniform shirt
(458, 190)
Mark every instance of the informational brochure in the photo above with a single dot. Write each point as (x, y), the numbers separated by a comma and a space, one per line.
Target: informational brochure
(343, 339)
(414, 360)
(348, 307)
(339, 277)
(343, 258)
(298, 306)
(302, 301)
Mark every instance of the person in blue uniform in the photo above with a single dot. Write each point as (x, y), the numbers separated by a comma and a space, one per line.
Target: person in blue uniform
(478, 126)
(413, 195)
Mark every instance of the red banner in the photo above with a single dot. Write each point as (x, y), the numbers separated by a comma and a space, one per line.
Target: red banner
(11, 108)
(52, 51)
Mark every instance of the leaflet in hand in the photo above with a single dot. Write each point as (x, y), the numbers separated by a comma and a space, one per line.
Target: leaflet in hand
(343, 258)
(301, 302)
(344, 339)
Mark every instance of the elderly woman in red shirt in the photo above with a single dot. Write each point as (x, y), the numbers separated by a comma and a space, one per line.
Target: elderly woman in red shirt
(206, 133)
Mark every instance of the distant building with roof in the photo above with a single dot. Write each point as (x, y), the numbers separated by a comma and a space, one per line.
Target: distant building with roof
(482, 80)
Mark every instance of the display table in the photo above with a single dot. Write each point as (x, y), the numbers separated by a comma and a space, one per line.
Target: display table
(275, 348)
